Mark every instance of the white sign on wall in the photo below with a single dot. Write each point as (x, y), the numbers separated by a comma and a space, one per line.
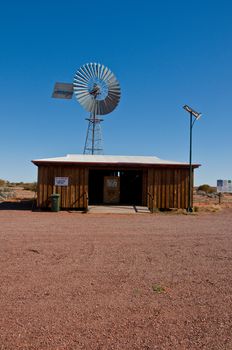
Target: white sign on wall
(61, 181)
(224, 186)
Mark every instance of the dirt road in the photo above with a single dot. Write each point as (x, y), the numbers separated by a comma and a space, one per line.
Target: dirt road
(84, 281)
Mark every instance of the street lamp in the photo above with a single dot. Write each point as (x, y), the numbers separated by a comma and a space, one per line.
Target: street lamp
(196, 116)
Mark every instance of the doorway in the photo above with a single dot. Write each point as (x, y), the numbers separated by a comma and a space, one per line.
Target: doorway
(126, 185)
(131, 187)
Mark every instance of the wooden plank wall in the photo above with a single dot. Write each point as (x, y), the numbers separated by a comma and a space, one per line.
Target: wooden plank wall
(73, 196)
(168, 188)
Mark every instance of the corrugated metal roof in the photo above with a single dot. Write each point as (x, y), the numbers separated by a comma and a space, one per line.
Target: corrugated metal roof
(88, 158)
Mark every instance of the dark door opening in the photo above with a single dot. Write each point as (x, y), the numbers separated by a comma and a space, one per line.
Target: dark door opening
(131, 183)
(96, 185)
(131, 187)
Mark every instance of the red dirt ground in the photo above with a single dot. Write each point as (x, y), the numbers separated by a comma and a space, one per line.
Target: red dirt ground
(85, 281)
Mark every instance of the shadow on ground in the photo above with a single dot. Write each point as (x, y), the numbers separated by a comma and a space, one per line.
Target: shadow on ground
(19, 205)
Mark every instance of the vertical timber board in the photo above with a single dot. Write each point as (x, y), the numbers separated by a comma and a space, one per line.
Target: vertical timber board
(58, 188)
(171, 182)
(45, 193)
(39, 188)
(182, 188)
(86, 187)
(77, 199)
(81, 186)
(149, 187)
(153, 188)
(68, 189)
(167, 189)
(175, 184)
(46, 183)
(192, 186)
(163, 186)
(83, 189)
(187, 188)
(50, 183)
(72, 188)
(62, 188)
(75, 192)
(42, 186)
(158, 186)
(77, 188)
(155, 192)
(179, 188)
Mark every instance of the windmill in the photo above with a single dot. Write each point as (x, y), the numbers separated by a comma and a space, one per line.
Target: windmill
(98, 92)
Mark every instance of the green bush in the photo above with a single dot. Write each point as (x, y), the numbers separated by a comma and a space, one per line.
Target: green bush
(206, 188)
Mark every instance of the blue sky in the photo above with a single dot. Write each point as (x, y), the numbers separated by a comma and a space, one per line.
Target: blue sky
(164, 53)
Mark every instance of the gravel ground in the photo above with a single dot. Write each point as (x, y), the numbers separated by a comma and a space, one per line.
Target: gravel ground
(94, 281)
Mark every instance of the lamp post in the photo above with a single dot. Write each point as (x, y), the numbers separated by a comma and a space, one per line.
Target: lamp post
(197, 116)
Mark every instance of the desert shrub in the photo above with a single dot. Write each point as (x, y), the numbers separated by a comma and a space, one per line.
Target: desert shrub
(2, 182)
(30, 186)
(206, 188)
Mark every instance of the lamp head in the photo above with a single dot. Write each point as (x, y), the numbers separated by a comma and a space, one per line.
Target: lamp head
(194, 113)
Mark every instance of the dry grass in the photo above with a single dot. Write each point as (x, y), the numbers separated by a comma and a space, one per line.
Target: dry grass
(207, 208)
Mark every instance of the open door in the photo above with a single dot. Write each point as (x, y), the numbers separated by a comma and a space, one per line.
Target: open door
(111, 190)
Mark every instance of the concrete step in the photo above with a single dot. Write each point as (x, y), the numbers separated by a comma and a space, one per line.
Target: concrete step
(117, 209)
(141, 210)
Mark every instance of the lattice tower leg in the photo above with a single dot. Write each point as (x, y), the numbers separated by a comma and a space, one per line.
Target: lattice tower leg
(94, 141)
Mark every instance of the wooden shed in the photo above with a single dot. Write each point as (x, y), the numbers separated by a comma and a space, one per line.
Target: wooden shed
(83, 180)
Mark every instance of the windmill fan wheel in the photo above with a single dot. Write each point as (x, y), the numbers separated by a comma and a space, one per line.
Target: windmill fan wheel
(96, 88)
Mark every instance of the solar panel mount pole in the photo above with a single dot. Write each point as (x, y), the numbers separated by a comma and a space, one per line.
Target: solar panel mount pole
(196, 115)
